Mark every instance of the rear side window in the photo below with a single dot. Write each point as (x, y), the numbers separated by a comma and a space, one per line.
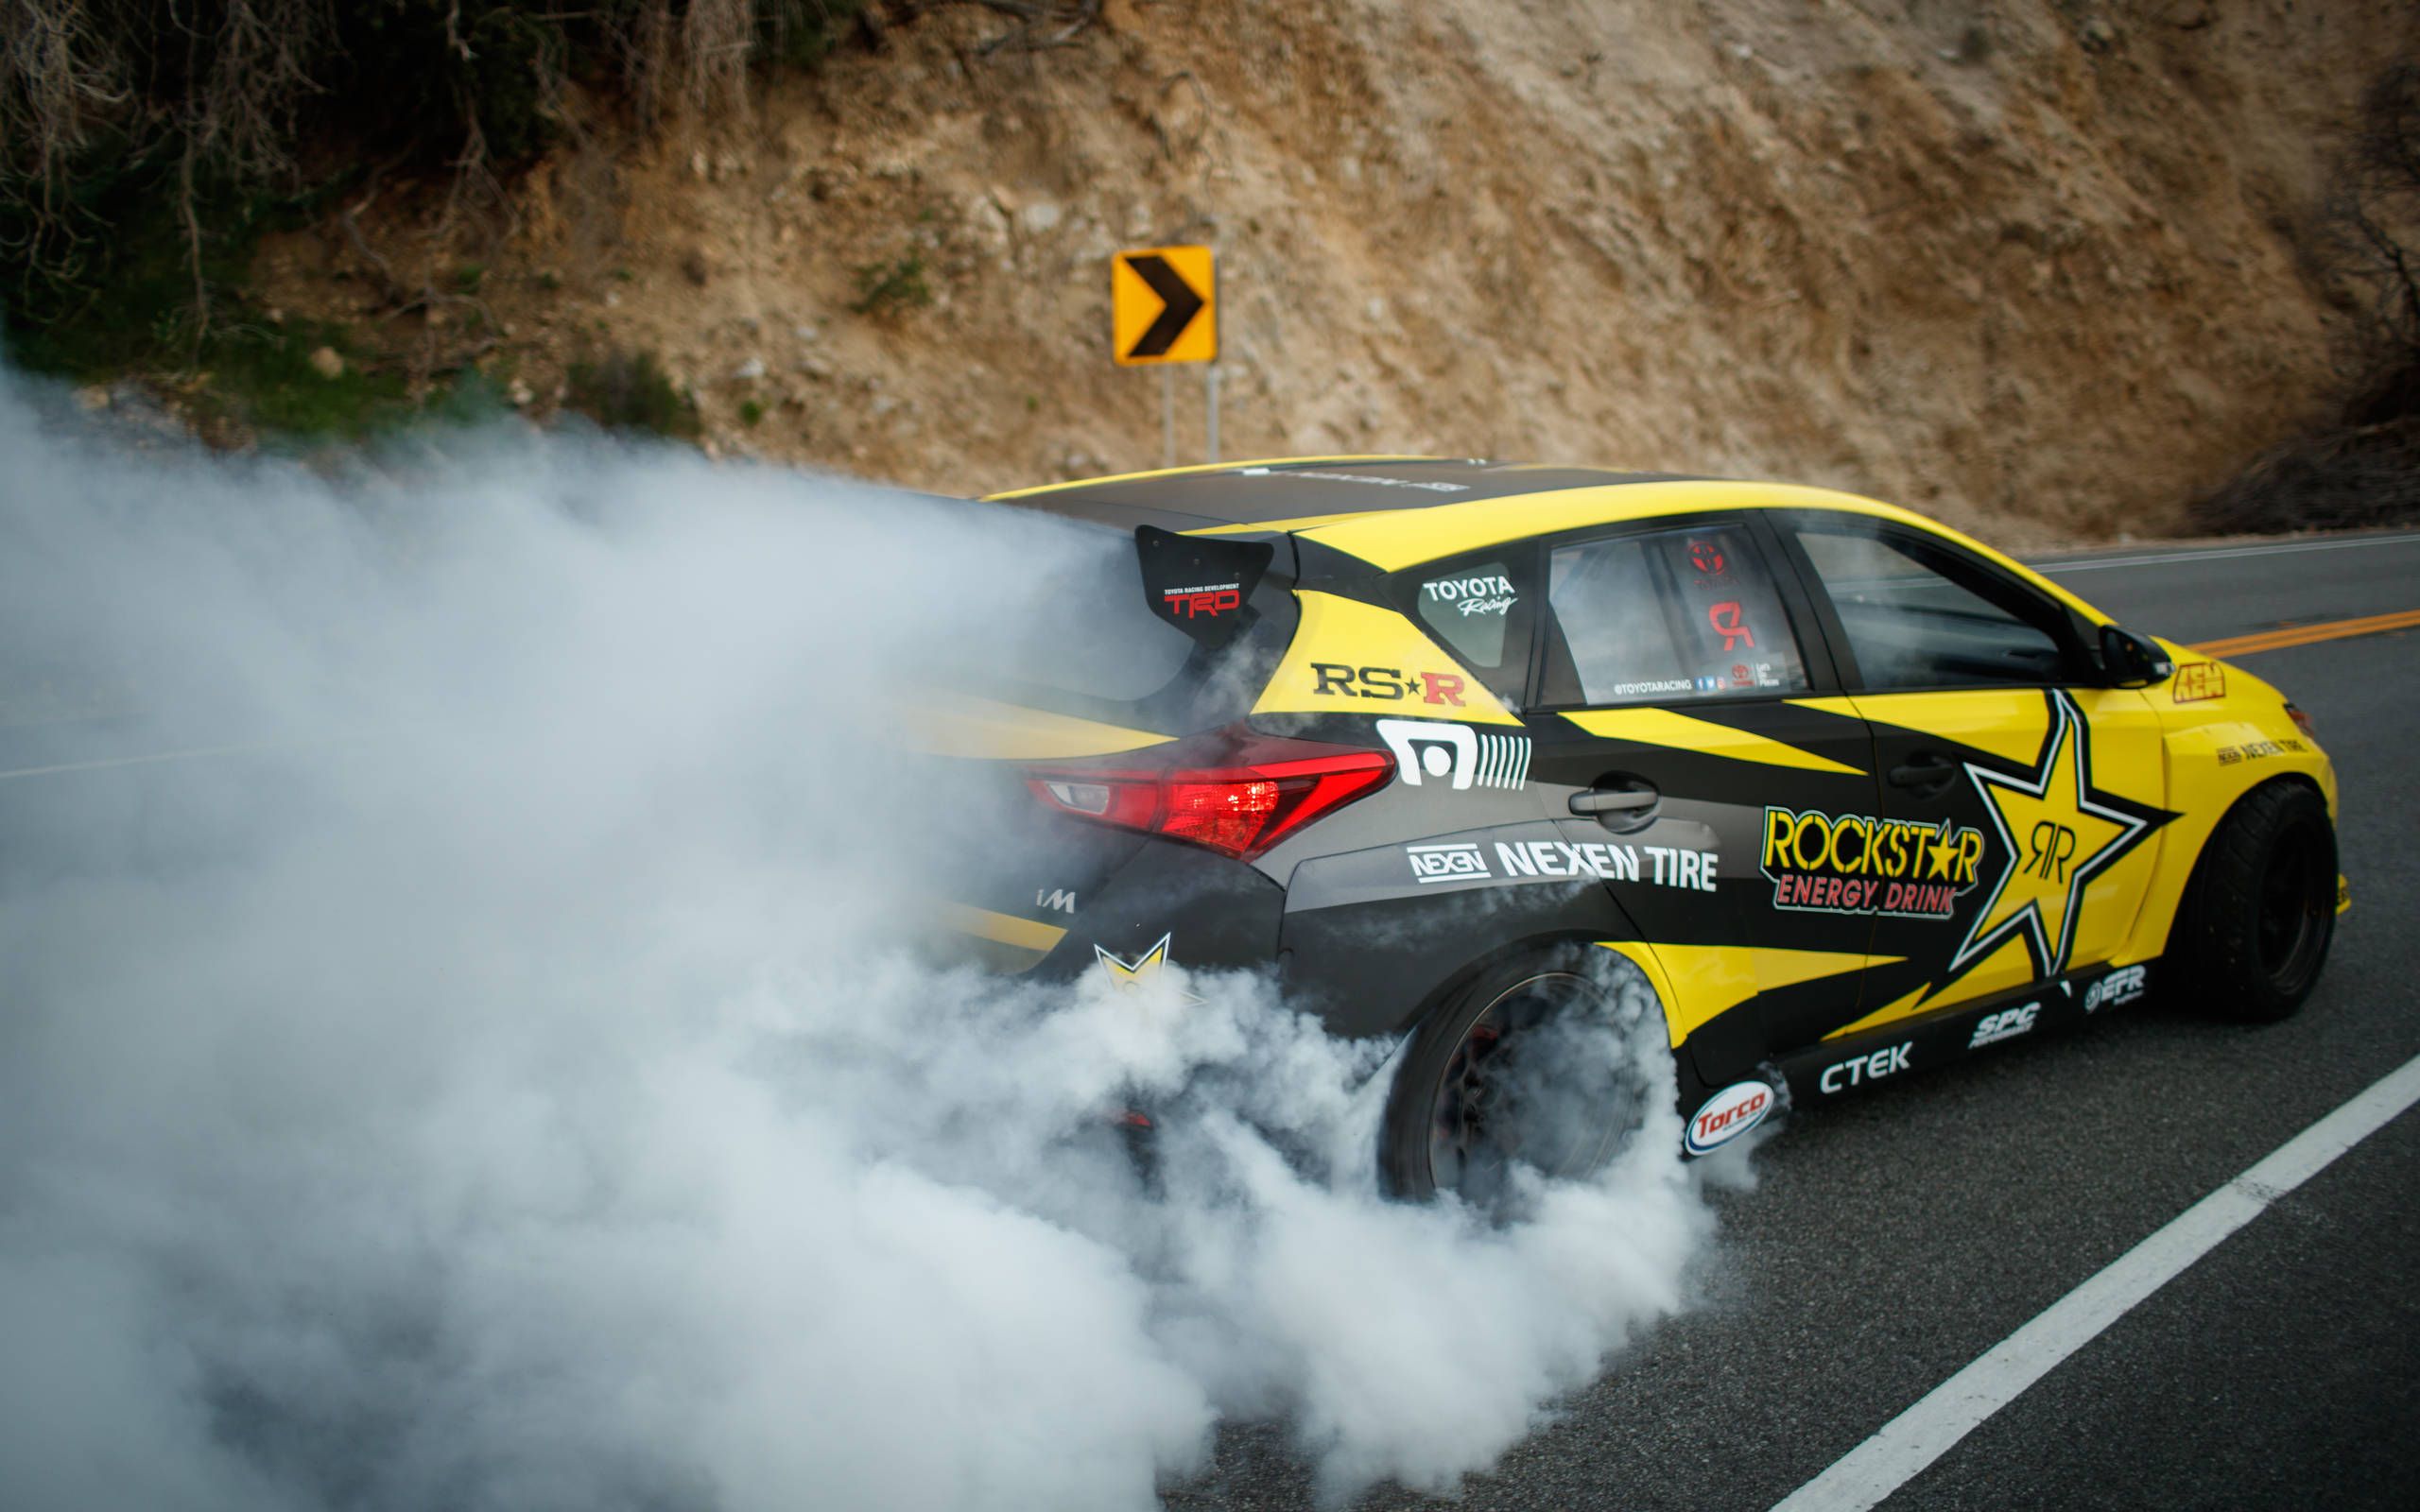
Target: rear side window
(1666, 615)
(1469, 608)
(1916, 616)
(1480, 609)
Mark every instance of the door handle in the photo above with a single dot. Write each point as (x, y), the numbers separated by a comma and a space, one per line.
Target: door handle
(1925, 775)
(1622, 809)
(1599, 800)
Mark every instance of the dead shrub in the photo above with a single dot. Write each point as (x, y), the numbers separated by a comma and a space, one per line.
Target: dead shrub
(2366, 470)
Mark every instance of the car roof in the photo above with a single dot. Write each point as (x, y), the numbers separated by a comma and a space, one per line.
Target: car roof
(1398, 512)
(1282, 492)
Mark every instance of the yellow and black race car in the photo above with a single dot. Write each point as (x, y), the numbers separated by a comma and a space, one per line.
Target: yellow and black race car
(1854, 793)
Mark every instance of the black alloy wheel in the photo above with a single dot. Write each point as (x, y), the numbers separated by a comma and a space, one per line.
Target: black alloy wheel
(1528, 1067)
(2261, 911)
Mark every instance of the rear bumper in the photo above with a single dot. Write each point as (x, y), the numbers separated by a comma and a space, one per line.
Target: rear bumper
(1212, 912)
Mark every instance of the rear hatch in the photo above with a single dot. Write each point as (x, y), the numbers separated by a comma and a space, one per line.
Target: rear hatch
(1135, 640)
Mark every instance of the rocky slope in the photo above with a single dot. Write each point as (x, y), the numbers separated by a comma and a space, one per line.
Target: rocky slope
(2034, 266)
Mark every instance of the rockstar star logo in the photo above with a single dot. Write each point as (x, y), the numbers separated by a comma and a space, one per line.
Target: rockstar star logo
(1129, 976)
(2057, 835)
(1944, 850)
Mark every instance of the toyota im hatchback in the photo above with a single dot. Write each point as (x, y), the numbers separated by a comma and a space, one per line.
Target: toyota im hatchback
(1434, 741)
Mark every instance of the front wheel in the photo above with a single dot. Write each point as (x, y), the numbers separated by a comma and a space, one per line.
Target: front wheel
(1536, 1063)
(2261, 909)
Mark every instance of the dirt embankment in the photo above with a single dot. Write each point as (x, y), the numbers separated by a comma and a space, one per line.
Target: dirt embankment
(2030, 265)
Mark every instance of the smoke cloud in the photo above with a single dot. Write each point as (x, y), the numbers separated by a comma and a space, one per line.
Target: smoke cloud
(464, 1041)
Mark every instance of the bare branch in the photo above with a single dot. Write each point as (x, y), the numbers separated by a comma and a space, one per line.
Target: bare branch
(1045, 23)
(2373, 232)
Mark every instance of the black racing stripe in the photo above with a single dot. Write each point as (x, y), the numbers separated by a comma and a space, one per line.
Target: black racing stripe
(1741, 715)
(1287, 491)
(1118, 516)
(1700, 777)
(1331, 571)
(1805, 1021)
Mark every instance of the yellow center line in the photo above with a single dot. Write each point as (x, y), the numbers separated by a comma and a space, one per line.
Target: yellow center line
(2306, 634)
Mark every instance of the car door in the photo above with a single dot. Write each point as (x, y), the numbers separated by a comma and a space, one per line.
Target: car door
(1681, 698)
(2027, 789)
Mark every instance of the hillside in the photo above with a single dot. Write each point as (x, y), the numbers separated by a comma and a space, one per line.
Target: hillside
(2021, 264)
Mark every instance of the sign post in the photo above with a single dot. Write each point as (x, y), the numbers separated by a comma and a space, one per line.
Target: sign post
(1164, 309)
(1210, 411)
(1168, 416)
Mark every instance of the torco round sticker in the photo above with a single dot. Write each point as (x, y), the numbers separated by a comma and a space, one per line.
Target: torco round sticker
(1726, 1115)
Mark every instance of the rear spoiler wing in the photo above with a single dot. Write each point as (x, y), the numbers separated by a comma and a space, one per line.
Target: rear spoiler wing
(1201, 584)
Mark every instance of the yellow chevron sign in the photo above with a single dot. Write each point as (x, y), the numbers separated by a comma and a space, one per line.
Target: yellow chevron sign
(1162, 306)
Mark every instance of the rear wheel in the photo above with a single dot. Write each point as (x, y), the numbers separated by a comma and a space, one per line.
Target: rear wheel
(1534, 1064)
(2261, 909)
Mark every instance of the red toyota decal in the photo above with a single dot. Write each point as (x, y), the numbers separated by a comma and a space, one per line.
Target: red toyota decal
(1726, 619)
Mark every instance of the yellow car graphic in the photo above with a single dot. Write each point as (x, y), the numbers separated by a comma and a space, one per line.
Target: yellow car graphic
(1462, 749)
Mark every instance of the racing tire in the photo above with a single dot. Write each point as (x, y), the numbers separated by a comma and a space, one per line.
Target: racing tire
(1527, 1064)
(2261, 910)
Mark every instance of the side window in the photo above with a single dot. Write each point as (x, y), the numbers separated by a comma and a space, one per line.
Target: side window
(1480, 609)
(1917, 617)
(1688, 613)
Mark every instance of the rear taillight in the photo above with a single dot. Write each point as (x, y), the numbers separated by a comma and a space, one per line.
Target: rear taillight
(1236, 792)
(2301, 720)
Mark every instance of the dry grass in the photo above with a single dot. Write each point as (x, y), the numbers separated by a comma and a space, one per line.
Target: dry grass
(2367, 472)
(2361, 475)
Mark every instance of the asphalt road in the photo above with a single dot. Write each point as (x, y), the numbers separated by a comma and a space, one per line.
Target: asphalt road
(1894, 1238)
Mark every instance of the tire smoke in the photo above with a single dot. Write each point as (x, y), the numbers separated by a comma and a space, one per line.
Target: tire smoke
(462, 1040)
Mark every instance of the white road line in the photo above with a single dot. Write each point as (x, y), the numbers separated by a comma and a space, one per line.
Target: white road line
(1958, 1405)
(2220, 554)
